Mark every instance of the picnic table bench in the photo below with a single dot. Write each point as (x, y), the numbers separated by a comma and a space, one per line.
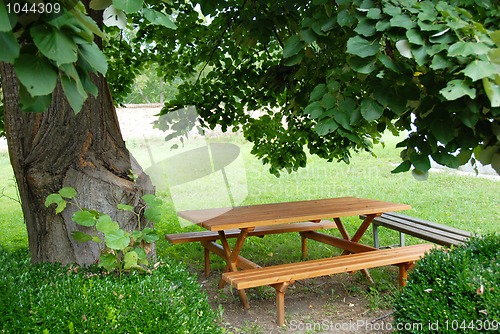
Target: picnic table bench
(208, 238)
(438, 233)
(281, 276)
(263, 219)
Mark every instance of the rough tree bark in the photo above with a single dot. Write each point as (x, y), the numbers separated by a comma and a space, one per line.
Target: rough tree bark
(58, 148)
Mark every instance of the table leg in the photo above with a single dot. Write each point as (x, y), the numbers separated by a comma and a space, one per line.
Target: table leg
(232, 258)
(357, 236)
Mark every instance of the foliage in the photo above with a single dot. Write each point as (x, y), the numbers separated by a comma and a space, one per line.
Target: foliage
(120, 249)
(332, 76)
(459, 287)
(326, 76)
(57, 45)
(49, 298)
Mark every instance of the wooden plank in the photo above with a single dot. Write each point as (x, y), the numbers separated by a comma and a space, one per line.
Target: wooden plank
(314, 268)
(350, 246)
(427, 233)
(241, 262)
(178, 238)
(280, 213)
(427, 223)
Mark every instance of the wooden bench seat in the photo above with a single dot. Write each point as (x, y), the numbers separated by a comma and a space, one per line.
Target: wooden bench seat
(260, 231)
(281, 276)
(423, 229)
(207, 238)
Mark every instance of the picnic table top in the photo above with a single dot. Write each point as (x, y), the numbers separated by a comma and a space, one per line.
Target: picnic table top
(288, 212)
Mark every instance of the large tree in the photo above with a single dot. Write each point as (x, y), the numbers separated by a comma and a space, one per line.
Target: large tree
(61, 124)
(326, 76)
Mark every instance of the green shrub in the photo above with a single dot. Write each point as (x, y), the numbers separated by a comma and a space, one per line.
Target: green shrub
(49, 298)
(453, 291)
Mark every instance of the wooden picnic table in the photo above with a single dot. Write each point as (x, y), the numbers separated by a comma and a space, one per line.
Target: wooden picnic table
(247, 218)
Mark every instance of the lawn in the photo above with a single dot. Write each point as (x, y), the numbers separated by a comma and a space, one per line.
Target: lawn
(467, 202)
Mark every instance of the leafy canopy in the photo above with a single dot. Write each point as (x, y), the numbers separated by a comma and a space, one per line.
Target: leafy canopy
(326, 76)
(331, 76)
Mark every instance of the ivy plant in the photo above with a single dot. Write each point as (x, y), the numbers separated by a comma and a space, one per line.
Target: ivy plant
(121, 250)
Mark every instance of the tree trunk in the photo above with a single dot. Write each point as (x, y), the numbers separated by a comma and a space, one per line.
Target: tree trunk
(57, 148)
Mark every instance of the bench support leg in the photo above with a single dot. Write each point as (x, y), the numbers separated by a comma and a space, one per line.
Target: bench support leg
(280, 301)
(304, 245)
(375, 236)
(403, 272)
(207, 262)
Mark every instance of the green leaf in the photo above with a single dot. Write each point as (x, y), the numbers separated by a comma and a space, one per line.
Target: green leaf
(479, 69)
(420, 161)
(403, 167)
(136, 235)
(53, 199)
(492, 90)
(36, 74)
(308, 36)
(67, 192)
(439, 62)
(442, 131)
(150, 235)
(125, 207)
(128, 6)
(158, 18)
(108, 261)
(374, 14)
(91, 53)
(345, 19)
(465, 49)
(81, 236)
(314, 109)
(294, 60)
(106, 225)
(75, 93)
(56, 199)
(318, 92)
(152, 200)
(10, 47)
(140, 253)
(371, 110)
(54, 44)
(362, 65)
(366, 27)
(326, 126)
(5, 24)
(96, 239)
(456, 89)
(84, 218)
(130, 260)
(100, 4)
(415, 37)
(153, 214)
(34, 104)
(403, 21)
(293, 46)
(361, 47)
(118, 239)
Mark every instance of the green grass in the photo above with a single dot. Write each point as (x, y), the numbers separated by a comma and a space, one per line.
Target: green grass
(465, 202)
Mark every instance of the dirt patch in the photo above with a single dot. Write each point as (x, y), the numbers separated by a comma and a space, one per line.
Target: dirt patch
(345, 303)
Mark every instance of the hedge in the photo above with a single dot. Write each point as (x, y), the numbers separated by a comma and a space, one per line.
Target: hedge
(456, 290)
(49, 298)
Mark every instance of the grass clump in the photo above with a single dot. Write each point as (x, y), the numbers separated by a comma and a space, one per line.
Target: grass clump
(49, 298)
(454, 290)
